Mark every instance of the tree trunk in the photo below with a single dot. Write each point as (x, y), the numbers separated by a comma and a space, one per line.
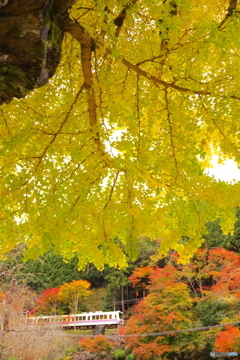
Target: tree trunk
(123, 308)
(75, 313)
(190, 282)
(200, 287)
(30, 44)
(7, 307)
(114, 304)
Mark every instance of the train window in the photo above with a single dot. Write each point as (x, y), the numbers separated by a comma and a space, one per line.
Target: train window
(110, 316)
(93, 317)
(101, 317)
(115, 315)
(84, 318)
(89, 317)
(97, 317)
(105, 316)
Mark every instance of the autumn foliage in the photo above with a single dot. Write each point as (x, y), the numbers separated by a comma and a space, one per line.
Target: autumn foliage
(69, 294)
(140, 276)
(218, 268)
(98, 344)
(182, 297)
(49, 300)
(166, 308)
(228, 340)
(74, 291)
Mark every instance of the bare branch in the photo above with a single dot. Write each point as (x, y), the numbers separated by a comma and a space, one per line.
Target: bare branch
(111, 191)
(60, 127)
(171, 133)
(167, 85)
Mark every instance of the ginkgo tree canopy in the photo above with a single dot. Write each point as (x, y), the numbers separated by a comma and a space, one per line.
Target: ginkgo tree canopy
(117, 143)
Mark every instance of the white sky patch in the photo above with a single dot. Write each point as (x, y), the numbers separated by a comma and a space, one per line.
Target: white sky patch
(228, 171)
(116, 136)
(21, 219)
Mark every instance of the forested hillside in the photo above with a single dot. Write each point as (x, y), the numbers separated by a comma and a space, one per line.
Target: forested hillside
(157, 296)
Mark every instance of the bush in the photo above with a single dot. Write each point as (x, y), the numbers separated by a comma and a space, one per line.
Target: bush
(28, 345)
(96, 345)
(131, 357)
(119, 354)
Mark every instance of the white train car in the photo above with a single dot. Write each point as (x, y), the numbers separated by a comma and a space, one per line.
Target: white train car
(83, 320)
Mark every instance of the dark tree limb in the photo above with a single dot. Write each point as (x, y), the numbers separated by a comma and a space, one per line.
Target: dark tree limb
(119, 20)
(230, 11)
(88, 46)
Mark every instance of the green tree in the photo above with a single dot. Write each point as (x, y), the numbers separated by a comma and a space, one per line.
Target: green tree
(49, 270)
(118, 142)
(117, 281)
(232, 241)
(213, 309)
(215, 237)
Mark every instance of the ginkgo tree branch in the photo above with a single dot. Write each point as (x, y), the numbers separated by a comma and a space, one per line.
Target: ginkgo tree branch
(88, 45)
(86, 41)
(138, 116)
(171, 133)
(167, 85)
(111, 191)
(213, 120)
(60, 128)
(230, 11)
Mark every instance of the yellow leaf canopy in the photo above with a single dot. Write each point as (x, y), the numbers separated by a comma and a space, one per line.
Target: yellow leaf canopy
(117, 143)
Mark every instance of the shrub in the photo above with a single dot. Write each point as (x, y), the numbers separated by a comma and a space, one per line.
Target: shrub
(119, 354)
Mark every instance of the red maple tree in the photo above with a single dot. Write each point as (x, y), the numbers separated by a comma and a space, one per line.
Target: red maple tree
(48, 301)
